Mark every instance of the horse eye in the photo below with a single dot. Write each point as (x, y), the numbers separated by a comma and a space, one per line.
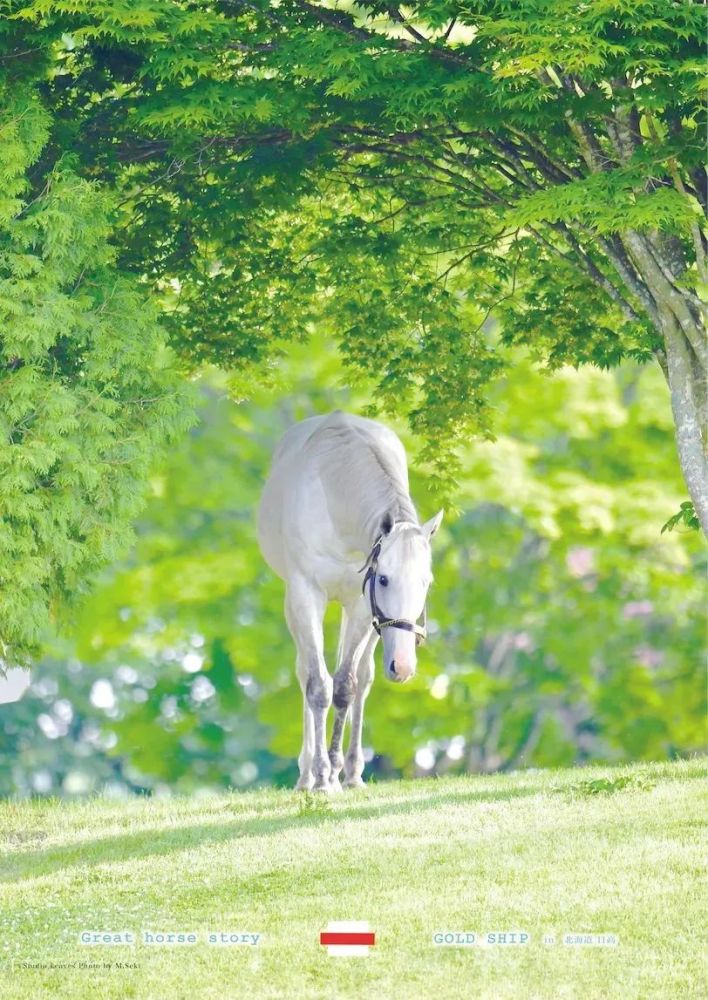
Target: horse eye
(383, 580)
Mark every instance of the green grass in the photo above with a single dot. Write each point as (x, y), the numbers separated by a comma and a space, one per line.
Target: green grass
(592, 851)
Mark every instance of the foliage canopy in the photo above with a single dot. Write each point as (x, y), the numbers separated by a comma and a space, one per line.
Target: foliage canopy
(397, 175)
(394, 177)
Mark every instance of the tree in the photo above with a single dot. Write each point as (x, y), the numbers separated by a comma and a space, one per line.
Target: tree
(88, 397)
(397, 175)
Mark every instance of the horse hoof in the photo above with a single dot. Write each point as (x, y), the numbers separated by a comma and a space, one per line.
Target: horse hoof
(303, 785)
(335, 786)
(354, 783)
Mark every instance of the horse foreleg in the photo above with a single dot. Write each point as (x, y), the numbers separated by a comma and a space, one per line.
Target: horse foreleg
(354, 761)
(304, 610)
(336, 757)
(306, 780)
(356, 626)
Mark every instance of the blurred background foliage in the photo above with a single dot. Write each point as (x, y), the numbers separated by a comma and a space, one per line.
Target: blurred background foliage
(565, 627)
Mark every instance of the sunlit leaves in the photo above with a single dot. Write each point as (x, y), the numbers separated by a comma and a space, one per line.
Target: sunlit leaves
(87, 395)
(399, 179)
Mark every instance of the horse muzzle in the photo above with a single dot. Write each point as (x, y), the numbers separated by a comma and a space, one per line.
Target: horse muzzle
(399, 671)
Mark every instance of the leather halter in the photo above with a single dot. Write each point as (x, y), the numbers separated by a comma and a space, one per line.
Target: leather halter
(379, 620)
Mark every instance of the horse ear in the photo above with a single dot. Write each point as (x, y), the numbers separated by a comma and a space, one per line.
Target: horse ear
(386, 523)
(431, 526)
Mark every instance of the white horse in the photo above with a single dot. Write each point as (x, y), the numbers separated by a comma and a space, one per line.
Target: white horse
(337, 496)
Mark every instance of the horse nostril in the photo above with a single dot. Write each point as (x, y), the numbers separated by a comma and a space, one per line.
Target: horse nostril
(392, 668)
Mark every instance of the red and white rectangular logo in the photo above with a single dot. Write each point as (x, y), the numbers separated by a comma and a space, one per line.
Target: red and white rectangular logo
(347, 938)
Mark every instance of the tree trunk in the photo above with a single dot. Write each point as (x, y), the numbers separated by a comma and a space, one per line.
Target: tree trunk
(673, 309)
(686, 348)
(687, 384)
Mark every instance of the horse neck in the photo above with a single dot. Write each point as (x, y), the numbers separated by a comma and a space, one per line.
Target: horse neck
(363, 488)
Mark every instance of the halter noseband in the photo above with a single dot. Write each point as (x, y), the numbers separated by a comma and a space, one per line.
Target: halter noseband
(379, 620)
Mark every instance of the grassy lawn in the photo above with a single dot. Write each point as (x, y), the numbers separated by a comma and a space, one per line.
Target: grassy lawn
(547, 853)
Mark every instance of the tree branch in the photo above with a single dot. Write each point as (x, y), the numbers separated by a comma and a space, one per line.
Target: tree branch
(398, 18)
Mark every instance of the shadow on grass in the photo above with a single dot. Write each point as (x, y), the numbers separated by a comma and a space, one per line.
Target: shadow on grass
(148, 842)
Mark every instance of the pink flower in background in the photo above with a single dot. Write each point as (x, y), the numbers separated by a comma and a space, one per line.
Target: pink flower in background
(649, 657)
(580, 561)
(524, 642)
(637, 609)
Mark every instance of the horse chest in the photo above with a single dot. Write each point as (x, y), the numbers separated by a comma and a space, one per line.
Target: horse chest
(339, 578)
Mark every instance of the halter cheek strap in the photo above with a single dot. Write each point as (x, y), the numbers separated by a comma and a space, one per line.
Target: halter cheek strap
(379, 620)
